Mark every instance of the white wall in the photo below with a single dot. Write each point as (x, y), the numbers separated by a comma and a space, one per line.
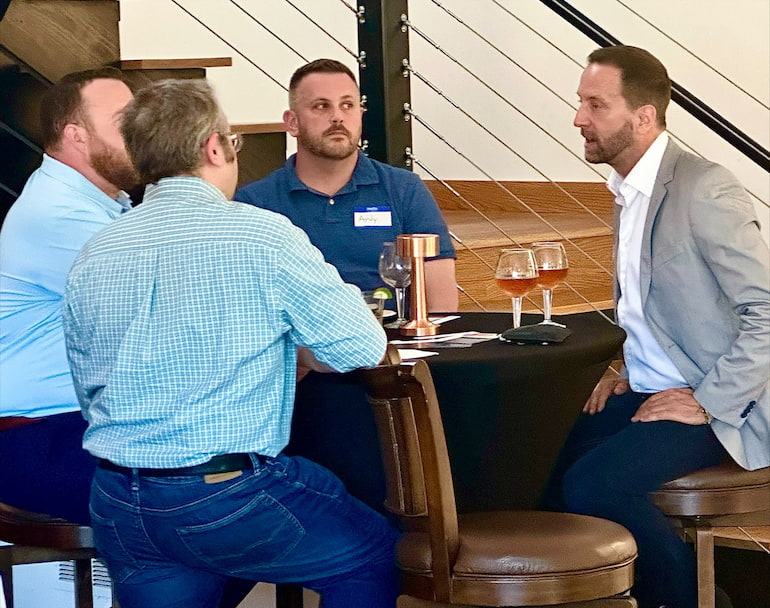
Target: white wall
(732, 36)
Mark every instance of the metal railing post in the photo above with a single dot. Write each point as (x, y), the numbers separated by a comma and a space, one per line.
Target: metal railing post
(383, 43)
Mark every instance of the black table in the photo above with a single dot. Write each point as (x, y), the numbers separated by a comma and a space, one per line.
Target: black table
(507, 410)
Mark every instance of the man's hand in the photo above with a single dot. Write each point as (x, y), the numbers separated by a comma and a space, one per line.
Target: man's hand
(602, 391)
(307, 362)
(677, 404)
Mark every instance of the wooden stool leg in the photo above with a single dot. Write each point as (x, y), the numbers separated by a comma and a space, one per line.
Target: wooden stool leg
(84, 593)
(288, 596)
(6, 571)
(704, 554)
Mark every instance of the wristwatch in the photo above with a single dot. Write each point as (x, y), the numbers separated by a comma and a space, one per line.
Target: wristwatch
(707, 418)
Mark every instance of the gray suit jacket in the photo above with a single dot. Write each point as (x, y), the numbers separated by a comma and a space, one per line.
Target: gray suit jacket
(705, 284)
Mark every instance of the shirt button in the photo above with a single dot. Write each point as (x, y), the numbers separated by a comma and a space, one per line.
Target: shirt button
(331, 201)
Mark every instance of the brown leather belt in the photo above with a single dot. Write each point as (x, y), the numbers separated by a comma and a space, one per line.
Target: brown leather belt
(224, 463)
(12, 422)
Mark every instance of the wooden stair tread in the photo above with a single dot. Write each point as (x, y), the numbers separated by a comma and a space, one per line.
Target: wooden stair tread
(175, 64)
(258, 128)
(476, 231)
(514, 196)
(77, 35)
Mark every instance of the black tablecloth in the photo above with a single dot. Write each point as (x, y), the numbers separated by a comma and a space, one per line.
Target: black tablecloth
(506, 410)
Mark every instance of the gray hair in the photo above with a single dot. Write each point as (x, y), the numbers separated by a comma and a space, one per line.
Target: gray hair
(167, 124)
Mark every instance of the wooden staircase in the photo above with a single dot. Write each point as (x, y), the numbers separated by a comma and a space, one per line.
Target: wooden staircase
(42, 40)
(487, 217)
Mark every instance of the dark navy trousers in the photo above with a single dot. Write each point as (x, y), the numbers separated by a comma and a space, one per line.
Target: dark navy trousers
(44, 468)
(607, 468)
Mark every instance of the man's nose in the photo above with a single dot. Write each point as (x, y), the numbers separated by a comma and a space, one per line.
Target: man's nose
(580, 118)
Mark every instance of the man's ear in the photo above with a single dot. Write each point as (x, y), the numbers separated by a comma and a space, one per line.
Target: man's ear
(290, 122)
(647, 117)
(74, 136)
(213, 152)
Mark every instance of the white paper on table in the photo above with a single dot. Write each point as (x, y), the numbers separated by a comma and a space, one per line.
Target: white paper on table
(414, 353)
(440, 320)
(433, 338)
(468, 337)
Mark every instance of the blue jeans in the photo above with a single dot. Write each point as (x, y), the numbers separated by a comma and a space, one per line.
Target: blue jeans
(608, 467)
(173, 541)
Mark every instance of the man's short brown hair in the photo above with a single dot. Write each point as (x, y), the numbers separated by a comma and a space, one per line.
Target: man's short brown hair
(62, 103)
(644, 78)
(319, 66)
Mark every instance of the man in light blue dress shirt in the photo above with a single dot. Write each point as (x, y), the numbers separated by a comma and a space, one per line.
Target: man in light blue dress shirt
(77, 191)
(183, 322)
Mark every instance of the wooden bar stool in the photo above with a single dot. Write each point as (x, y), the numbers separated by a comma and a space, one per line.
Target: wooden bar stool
(724, 495)
(38, 539)
(498, 558)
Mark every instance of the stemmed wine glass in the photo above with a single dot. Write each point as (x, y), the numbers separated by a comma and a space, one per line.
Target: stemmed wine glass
(396, 271)
(552, 265)
(516, 275)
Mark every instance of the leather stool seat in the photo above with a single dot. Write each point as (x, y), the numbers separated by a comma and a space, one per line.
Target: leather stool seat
(724, 495)
(723, 489)
(530, 553)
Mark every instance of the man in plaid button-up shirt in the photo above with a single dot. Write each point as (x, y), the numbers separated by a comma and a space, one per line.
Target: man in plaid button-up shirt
(183, 321)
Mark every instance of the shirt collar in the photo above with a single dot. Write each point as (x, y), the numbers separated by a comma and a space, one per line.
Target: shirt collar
(194, 189)
(364, 174)
(72, 177)
(642, 176)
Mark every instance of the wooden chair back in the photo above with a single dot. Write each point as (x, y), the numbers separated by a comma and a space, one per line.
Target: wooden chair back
(416, 461)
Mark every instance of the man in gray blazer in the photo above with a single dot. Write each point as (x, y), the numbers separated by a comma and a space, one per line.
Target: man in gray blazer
(693, 295)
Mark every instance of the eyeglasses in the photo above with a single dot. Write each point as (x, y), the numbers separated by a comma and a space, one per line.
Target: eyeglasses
(236, 140)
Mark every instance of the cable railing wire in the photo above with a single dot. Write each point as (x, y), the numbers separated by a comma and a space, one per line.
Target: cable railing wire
(484, 216)
(229, 44)
(693, 55)
(518, 65)
(536, 33)
(513, 195)
(504, 144)
(269, 31)
(320, 27)
(470, 297)
(522, 114)
(352, 9)
(417, 162)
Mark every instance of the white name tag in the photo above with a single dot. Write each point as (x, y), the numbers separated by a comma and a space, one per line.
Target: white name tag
(372, 217)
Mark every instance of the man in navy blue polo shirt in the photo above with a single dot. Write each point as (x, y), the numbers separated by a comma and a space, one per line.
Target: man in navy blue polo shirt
(348, 204)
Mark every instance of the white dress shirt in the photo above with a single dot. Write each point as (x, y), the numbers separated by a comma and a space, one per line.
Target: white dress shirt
(650, 370)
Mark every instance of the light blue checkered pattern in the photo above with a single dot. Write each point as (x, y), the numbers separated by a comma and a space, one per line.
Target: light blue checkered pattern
(182, 319)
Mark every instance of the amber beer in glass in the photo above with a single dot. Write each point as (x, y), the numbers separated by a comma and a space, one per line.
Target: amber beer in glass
(553, 266)
(516, 274)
